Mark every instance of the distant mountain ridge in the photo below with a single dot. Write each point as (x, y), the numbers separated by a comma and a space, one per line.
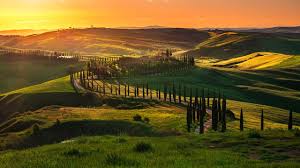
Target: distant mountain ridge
(23, 32)
(295, 29)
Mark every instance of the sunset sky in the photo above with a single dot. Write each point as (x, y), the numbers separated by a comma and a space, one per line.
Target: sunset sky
(52, 14)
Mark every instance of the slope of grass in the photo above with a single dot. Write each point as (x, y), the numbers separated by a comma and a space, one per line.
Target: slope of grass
(16, 73)
(210, 150)
(261, 60)
(56, 85)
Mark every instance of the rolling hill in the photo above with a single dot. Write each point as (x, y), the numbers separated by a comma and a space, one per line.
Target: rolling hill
(233, 44)
(261, 60)
(105, 41)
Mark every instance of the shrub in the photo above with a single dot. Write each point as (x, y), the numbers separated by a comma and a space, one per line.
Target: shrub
(143, 147)
(297, 133)
(137, 118)
(57, 123)
(254, 134)
(35, 129)
(72, 152)
(146, 120)
(117, 160)
(121, 140)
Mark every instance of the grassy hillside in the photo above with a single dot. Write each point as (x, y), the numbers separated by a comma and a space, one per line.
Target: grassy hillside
(19, 73)
(106, 41)
(261, 60)
(169, 144)
(229, 44)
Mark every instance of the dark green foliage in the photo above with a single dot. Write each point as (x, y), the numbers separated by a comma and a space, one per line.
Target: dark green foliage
(193, 112)
(118, 160)
(201, 122)
(241, 121)
(189, 117)
(143, 91)
(208, 101)
(224, 115)
(290, 124)
(184, 93)
(170, 95)
(254, 134)
(35, 129)
(179, 91)
(72, 152)
(214, 116)
(297, 133)
(262, 120)
(143, 147)
(137, 117)
(147, 87)
(146, 120)
(57, 123)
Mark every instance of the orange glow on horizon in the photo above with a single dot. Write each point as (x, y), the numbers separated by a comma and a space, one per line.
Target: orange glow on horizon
(52, 14)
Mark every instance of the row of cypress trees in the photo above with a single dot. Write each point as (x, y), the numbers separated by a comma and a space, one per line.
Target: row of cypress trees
(262, 125)
(197, 110)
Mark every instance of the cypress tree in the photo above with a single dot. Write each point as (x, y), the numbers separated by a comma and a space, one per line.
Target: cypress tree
(188, 119)
(214, 116)
(147, 86)
(219, 107)
(241, 120)
(137, 90)
(184, 93)
(179, 92)
(201, 123)
(170, 95)
(191, 96)
(128, 90)
(111, 89)
(203, 104)
(143, 91)
(193, 112)
(159, 97)
(208, 98)
(150, 93)
(174, 93)
(125, 90)
(119, 88)
(224, 115)
(262, 120)
(290, 124)
(165, 92)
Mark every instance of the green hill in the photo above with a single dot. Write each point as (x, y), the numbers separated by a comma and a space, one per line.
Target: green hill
(229, 45)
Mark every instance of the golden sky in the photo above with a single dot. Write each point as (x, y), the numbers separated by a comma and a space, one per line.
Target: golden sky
(52, 14)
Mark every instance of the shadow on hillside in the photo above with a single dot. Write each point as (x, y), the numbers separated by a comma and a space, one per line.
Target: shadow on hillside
(11, 105)
(72, 129)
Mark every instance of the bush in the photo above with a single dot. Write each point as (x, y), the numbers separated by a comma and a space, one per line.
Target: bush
(72, 152)
(146, 120)
(35, 129)
(143, 147)
(297, 133)
(254, 134)
(57, 123)
(117, 160)
(137, 118)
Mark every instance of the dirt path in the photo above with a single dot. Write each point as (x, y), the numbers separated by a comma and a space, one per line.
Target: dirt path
(207, 124)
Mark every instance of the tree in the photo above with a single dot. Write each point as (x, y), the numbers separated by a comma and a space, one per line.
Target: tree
(179, 91)
(262, 120)
(241, 120)
(188, 118)
(290, 124)
(224, 115)
(214, 116)
(184, 93)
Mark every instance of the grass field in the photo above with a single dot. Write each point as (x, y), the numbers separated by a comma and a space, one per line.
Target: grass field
(261, 60)
(16, 74)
